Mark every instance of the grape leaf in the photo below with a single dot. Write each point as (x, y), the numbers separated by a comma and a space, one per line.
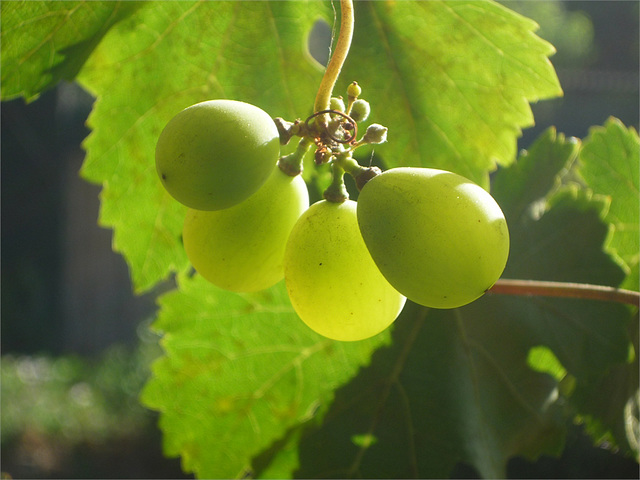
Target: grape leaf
(609, 163)
(454, 386)
(609, 166)
(180, 53)
(559, 236)
(451, 80)
(613, 417)
(528, 182)
(239, 371)
(605, 328)
(45, 42)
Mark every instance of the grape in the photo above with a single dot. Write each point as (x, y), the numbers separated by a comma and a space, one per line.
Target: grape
(438, 238)
(217, 153)
(241, 248)
(332, 281)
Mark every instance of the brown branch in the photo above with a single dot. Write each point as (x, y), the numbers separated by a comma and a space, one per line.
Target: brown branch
(563, 289)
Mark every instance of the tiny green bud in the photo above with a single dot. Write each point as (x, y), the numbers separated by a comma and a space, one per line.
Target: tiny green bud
(354, 90)
(337, 104)
(375, 133)
(360, 110)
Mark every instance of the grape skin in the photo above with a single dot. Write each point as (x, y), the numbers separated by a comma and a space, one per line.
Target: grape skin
(437, 237)
(215, 154)
(241, 248)
(332, 281)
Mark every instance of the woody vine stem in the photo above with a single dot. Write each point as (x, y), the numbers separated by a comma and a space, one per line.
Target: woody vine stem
(502, 286)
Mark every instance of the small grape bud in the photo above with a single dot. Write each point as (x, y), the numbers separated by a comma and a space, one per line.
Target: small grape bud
(375, 133)
(337, 104)
(360, 110)
(354, 90)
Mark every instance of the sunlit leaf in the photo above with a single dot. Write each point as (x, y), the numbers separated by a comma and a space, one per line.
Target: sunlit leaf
(45, 42)
(451, 80)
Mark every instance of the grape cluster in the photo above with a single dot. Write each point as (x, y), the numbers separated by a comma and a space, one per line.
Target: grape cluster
(428, 235)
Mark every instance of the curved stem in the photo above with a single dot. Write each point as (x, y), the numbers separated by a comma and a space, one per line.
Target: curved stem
(323, 97)
(564, 289)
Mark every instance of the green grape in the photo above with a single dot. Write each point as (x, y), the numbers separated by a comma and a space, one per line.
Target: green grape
(437, 237)
(332, 281)
(242, 247)
(215, 154)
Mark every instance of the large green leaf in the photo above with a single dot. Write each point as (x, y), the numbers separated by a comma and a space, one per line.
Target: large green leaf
(45, 42)
(239, 372)
(454, 387)
(451, 80)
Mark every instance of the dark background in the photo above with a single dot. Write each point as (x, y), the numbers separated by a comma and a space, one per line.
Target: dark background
(72, 330)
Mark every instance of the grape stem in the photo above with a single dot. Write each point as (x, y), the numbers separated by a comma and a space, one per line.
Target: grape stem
(292, 164)
(565, 289)
(323, 97)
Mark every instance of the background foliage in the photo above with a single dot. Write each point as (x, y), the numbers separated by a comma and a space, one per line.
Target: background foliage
(243, 386)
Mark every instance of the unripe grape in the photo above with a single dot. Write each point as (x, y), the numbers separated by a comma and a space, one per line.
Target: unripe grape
(332, 281)
(241, 248)
(217, 153)
(437, 237)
